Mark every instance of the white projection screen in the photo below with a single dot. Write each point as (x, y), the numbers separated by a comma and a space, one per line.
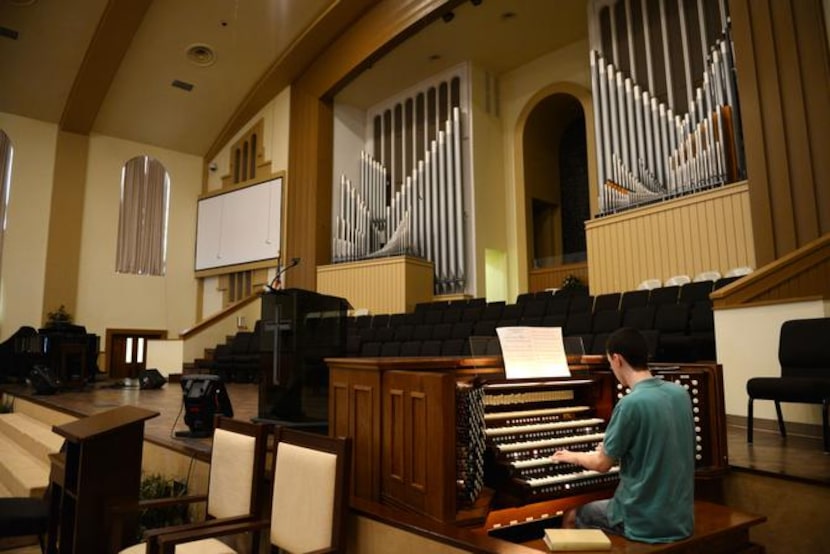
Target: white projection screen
(239, 226)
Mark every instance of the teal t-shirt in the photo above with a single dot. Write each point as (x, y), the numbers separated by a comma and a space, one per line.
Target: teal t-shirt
(651, 434)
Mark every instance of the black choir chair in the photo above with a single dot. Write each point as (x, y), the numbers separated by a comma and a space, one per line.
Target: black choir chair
(384, 334)
(607, 301)
(411, 348)
(381, 320)
(512, 312)
(422, 332)
(633, 299)
(452, 315)
(404, 332)
(492, 311)
(559, 304)
(804, 359)
(454, 347)
(461, 330)
(484, 328)
(535, 308)
(581, 303)
(641, 318)
(370, 349)
(309, 500)
(390, 349)
(472, 313)
(432, 317)
(694, 292)
(603, 324)
(442, 331)
(702, 331)
(664, 295)
(554, 320)
(523, 297)
(723, 281)
(431, 348)
(675, 344)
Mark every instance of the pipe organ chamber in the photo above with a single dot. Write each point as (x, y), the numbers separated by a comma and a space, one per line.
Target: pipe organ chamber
(460, 444)
(409, 196)
(667, 115)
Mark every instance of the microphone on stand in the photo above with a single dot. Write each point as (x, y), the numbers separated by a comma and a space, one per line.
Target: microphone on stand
(276, 282)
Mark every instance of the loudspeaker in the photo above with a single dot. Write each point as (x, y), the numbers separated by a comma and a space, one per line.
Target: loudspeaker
(43, 380)
(203, 396)
(151, 379)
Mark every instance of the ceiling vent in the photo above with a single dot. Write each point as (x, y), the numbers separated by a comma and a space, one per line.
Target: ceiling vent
(200, 54)
(8, 33)
(182, 85)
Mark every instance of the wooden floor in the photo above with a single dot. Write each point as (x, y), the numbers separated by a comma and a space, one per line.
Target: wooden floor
(796, 457)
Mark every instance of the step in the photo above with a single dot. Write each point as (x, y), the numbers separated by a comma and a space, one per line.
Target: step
(21, 473)
(30, 433)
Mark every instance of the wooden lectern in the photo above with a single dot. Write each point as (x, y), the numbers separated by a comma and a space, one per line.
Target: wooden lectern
(97, 470)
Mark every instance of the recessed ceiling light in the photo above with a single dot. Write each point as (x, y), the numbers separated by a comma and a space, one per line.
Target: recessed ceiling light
(435, 57)
(200, 54)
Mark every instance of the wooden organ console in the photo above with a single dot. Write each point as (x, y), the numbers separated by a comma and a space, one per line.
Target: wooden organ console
(451, 439)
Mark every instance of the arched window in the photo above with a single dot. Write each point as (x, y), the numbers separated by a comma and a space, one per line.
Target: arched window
(142, 222)
(6, 155)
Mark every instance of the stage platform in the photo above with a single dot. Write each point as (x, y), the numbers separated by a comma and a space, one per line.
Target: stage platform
(106, 395)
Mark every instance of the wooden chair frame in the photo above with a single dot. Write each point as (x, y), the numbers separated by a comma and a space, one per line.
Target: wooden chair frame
(340, 447)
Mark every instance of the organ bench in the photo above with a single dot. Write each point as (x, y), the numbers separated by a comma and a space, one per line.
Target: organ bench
(452, 440)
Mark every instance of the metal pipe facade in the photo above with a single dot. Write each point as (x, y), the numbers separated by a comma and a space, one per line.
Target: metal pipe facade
(410, 199)
(672, 135)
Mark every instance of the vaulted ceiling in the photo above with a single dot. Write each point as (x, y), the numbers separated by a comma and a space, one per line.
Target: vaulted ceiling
(123, 67)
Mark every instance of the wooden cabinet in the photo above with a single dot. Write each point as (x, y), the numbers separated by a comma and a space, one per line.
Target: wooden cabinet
(95, 479)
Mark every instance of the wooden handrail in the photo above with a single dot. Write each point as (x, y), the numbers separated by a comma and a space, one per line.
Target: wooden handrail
(218, 316)
(801, 274)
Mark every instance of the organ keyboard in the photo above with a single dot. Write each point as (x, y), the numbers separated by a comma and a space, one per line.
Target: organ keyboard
(525, 423)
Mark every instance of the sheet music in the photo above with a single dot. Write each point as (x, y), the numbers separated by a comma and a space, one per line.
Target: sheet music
(531, 352)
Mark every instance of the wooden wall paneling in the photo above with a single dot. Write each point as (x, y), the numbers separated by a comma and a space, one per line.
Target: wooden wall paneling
(682, 236)
(354, 411)
(794, 118)
(419, 451)
(385, 285)
(809, 20)
(783, 79)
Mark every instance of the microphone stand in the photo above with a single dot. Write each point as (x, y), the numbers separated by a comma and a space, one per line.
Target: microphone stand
(273, 287)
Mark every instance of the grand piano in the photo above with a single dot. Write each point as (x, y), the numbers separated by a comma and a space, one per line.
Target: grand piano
(451, 439)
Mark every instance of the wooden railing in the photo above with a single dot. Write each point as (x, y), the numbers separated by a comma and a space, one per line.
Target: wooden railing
(215, 328)
(801, 274)
(552, 277)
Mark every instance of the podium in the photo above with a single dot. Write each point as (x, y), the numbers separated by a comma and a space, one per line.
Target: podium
(96, 474)
(299, 329)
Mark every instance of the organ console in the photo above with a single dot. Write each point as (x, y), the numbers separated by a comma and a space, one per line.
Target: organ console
(450, 438)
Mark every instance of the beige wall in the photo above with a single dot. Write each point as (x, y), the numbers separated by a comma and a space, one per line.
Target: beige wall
(276, 116)
(24, 244)
(747, 341)
(110, 300)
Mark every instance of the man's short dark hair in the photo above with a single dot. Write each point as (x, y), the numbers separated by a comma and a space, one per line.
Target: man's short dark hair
(631, 345)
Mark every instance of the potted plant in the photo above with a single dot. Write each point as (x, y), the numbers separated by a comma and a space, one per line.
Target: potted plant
(154, 486)
(58, 317)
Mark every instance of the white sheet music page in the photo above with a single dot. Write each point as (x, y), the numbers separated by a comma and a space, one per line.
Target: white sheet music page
(533, 352)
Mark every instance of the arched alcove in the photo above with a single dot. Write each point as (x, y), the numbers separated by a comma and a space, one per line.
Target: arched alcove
(555, 176)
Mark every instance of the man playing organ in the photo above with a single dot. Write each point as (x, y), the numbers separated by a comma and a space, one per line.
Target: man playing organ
(651, 434)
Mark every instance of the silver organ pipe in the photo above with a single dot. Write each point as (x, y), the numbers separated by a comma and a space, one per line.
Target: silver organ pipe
(651, 147)
(412, 203)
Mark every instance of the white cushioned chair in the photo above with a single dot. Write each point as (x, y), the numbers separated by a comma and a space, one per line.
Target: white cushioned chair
(309, 498)
(235, 482)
